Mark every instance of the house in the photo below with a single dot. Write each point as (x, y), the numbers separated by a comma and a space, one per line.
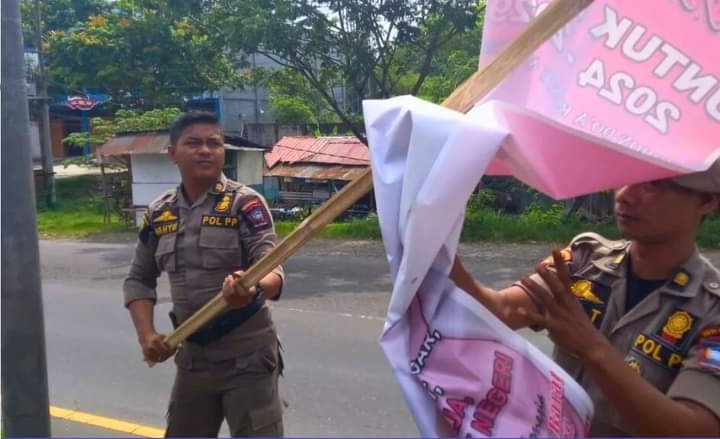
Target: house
(306, 171)
(151, 171)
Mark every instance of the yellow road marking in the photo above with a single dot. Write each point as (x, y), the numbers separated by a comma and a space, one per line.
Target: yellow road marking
(104, 422)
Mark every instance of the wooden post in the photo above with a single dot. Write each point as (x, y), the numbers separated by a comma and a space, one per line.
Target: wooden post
(551, 20)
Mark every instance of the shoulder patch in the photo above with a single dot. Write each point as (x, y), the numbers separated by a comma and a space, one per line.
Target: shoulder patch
(596, 240)
(710, 356)
(709, 332)
(256, 214)
(711, 281)
(145, 231)
(168, 197)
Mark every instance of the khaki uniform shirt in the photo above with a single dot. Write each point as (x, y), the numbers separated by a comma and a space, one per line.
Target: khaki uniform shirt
(197, 245)
(661, 338)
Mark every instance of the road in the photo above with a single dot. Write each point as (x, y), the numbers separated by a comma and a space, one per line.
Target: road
(337, 381)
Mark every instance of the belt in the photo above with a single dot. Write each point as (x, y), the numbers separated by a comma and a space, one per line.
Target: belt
(222, 324)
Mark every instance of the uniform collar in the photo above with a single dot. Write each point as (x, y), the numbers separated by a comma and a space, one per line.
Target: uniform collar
(685, 283)
(615, 263)
(688, 279)
(215, 189)
(219, 186)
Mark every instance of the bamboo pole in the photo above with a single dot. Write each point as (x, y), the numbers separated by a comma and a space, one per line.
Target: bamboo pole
(552, 19)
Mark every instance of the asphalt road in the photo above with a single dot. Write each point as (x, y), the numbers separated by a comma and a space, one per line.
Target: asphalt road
(337, 381)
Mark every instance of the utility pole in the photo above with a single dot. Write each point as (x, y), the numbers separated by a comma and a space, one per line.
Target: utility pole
(25, 405)
(44, 117)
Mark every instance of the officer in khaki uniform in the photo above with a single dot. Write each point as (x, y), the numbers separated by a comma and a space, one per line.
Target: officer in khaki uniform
(636, 322)
(199, 234)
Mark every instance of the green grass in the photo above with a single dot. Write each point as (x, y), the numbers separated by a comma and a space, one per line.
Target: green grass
(480, 226)
(485, 225)
(78, 212)
(355, 229)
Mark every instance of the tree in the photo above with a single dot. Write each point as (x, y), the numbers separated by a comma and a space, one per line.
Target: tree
(58, 15)
(292, 99)
(366, 46)
(124, 121)
(140, 51)
(452, 65)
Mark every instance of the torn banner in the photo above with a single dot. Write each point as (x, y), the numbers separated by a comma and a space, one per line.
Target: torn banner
(463, 372)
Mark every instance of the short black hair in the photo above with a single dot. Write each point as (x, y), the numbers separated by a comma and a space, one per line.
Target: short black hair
(190, 118)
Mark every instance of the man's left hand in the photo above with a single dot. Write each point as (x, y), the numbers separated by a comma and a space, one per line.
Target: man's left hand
(566, 322)
(234, 293)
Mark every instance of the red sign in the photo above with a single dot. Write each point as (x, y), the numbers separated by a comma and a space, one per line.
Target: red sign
(81, 103)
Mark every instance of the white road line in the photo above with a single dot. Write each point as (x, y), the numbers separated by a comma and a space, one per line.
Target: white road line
(339, 314)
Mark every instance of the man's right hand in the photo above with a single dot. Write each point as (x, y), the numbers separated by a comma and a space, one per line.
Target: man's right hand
(154, 348)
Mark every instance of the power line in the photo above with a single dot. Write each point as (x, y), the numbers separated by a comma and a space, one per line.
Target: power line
(311, 154)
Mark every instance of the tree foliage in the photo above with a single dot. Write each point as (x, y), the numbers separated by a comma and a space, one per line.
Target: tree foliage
(142, 52)
(124, 121)
(369, 47)
(332, 53)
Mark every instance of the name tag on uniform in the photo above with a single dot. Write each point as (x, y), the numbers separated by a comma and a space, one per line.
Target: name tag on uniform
(224, 221)
(165, 228)
(654, 350)
(165, 221)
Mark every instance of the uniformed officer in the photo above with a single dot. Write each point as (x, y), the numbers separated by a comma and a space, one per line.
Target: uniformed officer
(635, 322)
(200, 233)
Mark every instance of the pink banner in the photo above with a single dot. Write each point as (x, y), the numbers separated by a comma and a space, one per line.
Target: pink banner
(641, 77)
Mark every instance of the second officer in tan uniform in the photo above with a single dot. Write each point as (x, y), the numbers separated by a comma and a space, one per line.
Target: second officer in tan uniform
(199, 233)
(636, 322)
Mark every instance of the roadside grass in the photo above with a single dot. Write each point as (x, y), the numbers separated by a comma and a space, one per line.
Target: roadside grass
(79, 214)
(480, 226)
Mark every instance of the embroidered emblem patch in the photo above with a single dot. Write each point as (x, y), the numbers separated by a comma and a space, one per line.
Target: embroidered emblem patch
(677, 328)
(165, 216)
(710, 355)
(223, 204)
(583, 289)
(710, 332)
(256, 214)
(593, 298)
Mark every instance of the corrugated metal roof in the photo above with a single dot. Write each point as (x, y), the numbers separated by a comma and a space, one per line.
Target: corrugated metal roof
(326, 150)
(156, 143)
(316, 172)
(147, 143)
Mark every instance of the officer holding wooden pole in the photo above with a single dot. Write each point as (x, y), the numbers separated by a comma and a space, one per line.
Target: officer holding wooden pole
(203, 234)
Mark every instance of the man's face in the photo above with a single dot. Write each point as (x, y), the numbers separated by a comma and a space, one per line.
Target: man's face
(657, 210)
(199, 152)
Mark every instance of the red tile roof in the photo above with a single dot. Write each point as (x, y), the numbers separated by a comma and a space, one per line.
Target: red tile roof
(347, 151)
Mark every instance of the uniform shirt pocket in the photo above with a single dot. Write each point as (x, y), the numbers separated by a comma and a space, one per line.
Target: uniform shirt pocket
(165, 252)
(220, 248)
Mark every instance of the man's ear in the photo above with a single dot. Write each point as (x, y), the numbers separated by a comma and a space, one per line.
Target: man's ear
(709, 203)
(171, 152)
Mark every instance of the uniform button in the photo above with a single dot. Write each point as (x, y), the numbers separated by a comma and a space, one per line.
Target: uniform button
(714, 285)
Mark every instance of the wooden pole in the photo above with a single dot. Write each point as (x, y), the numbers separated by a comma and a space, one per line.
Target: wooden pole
(551, 20)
